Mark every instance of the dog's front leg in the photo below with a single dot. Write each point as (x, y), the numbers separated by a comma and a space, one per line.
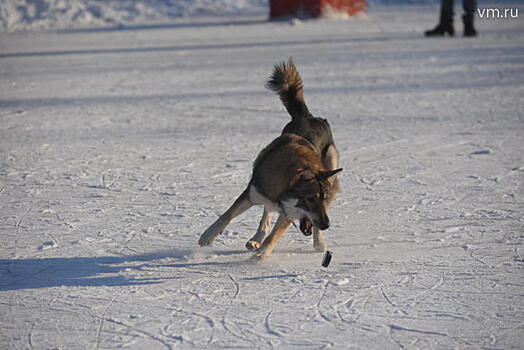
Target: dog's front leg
(330, 158)
(241, 204)
(318, 240)
(278, 230)
(263, 228)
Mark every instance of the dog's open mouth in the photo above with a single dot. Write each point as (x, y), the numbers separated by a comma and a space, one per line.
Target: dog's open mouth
(306, 226)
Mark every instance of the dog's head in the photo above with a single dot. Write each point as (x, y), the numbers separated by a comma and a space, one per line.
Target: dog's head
(308, 196)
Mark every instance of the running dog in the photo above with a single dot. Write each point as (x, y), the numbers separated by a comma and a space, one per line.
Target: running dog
(286, 82)
(288, 178)
(295, 175)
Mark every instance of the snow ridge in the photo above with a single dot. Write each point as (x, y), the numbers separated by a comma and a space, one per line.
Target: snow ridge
(56, 14)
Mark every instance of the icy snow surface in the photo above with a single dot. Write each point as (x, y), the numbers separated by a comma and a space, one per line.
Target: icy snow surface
(119, 147)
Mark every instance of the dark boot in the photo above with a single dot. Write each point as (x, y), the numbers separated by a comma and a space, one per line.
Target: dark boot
(469, 30)
(445, 26)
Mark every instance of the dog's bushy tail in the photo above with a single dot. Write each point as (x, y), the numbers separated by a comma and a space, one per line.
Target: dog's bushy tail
(286, 82)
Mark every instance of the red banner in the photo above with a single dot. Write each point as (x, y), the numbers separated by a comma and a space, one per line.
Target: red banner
(315, 8)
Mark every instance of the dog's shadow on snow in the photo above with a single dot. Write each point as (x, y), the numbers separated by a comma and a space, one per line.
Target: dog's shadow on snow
(130, 270)
(18, 274)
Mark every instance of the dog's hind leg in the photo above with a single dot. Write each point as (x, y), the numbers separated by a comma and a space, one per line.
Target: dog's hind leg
(318, 240)
(241, 204)
(263, 228)
(278, 230)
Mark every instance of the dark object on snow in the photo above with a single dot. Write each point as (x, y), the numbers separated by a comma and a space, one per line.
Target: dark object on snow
(327, 258)
(445, 25)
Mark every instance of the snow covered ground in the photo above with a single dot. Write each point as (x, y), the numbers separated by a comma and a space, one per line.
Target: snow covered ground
(45, 14)
(119, 147)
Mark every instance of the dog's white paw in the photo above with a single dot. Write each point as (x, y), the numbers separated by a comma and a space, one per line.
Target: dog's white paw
(252, 245)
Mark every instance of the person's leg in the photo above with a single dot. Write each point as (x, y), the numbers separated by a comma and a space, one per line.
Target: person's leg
(445, 24)
(446, 10)
(470, 6)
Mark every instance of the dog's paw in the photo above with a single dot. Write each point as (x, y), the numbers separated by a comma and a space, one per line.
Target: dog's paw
(319, 246)
(211, 233)
(207, 237)
(205, 240)
(252, 245)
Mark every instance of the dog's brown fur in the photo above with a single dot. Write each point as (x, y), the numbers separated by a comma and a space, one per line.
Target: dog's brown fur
(295, 175)
(287, 83)
(288, 177)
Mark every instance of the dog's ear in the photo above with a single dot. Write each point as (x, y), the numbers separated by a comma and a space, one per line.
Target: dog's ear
(301, 176)
(327, 174)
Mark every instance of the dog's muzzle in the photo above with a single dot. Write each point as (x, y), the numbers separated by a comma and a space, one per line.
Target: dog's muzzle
(306, 226)
(322, 225)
